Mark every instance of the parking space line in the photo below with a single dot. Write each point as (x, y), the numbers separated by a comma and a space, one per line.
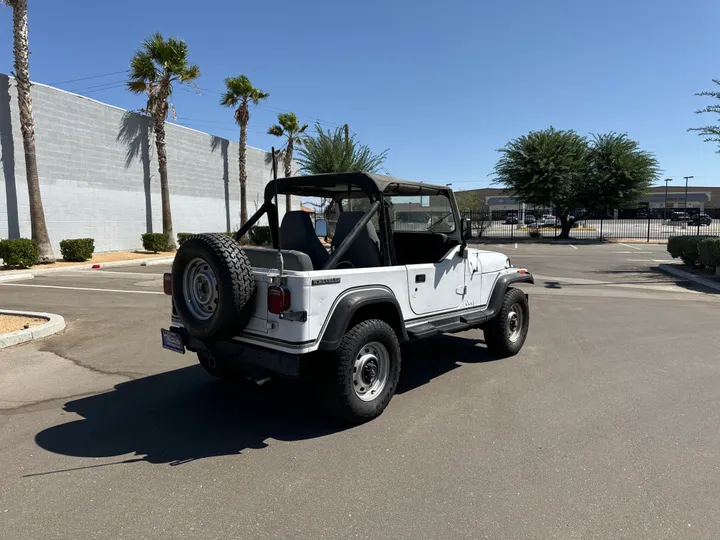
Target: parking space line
(629, 246)
(111, 273)
(78, 288)
(574, 247)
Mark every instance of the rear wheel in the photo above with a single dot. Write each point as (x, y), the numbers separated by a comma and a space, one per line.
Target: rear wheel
(366, 371)
(506, 333)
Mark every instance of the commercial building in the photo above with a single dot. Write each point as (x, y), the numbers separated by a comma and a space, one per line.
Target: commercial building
(706, 199)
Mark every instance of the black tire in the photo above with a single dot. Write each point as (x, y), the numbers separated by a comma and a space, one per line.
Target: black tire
(498, 332)
(343, 398)
(232, 305)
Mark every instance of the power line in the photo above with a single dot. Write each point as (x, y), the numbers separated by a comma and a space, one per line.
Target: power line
(121, 85)
(82, 89)
(88, 78)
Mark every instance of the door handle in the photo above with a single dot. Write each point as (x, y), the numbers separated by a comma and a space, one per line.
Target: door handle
(419, 278)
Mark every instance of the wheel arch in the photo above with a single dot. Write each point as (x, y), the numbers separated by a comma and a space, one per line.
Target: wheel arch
(362, 305)
(502, 284)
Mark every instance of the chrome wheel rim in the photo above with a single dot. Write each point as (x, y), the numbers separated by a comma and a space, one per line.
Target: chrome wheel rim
(514, 325)
(200, 288)
(371, 371)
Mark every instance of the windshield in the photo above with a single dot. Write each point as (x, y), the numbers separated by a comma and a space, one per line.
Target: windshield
(421, 213)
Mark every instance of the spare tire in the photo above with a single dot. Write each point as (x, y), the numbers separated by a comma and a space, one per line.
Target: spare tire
(212, 286)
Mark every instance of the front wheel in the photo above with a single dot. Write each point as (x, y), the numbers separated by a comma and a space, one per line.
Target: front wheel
(366, 371)
(506, 333)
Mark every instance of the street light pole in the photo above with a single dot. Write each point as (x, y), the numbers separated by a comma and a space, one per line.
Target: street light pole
(667, 181)
(687, 178)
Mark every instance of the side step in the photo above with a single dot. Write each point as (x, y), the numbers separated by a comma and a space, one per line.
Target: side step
(449, 325)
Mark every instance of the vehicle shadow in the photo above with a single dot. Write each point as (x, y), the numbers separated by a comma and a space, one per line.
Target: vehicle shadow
(184, 415)
(425, 360)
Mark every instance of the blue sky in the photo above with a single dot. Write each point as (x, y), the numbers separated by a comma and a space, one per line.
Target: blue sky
(443, 85)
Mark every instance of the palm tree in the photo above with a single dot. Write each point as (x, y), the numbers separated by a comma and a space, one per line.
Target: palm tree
(288, 126)
(21, 51)
(153, 69)
(337, 151)
(239, 93)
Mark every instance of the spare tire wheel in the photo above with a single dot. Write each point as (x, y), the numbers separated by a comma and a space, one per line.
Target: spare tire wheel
(212, 286)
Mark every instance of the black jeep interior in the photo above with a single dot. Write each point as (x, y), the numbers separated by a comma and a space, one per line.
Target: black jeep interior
(364, 252)
(421, 247)
(297, 233)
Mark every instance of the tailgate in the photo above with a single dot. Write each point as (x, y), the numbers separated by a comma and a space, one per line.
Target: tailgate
(258, 321)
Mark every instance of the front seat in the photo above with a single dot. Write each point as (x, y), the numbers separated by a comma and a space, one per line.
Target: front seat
(364, 252)
(297, 233)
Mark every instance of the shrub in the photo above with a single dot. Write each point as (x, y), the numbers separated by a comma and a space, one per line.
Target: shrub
(182, 236)
(260, 235)
(709, 252)
(535, 233)
(77, 249)
(18, 252)
(155, 242)
(686, 247)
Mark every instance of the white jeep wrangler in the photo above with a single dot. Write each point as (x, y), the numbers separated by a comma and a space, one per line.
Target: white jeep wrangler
(398, 269)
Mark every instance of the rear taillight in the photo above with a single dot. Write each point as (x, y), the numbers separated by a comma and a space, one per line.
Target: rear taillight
(167, 284)
(278, 300)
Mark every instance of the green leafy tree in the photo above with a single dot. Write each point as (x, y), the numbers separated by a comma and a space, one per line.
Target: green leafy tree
(154, 68)
(620, 173)
(711, 133)
(288, 127)
(239, 93)
(21, 51)
(335, 151)
(562, 170)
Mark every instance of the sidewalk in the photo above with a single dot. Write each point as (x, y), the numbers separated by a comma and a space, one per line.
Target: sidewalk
(99, 260)
(682, 271)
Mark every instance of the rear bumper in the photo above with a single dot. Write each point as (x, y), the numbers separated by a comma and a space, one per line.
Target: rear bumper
(280, 363)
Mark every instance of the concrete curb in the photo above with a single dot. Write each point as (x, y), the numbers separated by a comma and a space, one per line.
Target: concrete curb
(16, 277)
(8, 275)
(678, 272)
(54, 324)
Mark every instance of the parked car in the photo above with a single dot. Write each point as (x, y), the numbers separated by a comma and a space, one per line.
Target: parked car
(339, 318)
(548, 221)
(512, 220)
(680, 217)
(701, 219)
(529, 218)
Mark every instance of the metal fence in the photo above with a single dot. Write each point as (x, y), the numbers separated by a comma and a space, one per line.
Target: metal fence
(633, 224)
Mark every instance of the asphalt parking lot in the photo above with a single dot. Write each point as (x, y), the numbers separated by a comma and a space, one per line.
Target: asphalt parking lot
(604, 426)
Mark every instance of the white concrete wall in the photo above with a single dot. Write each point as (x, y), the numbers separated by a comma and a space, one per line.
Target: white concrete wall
(99, 176)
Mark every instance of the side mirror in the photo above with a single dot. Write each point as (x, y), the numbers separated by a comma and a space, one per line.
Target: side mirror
(321, 227)
(466, 229)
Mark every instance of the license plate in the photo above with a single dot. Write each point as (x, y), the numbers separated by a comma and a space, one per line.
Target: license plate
(172, 341)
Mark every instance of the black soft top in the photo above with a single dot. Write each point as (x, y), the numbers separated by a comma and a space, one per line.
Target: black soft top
(331, 185)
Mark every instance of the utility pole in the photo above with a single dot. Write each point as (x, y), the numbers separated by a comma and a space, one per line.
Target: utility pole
(687, 178)
(667, 181)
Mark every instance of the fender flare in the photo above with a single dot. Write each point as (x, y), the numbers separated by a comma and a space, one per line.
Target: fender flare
(346, 308)
(501, 286)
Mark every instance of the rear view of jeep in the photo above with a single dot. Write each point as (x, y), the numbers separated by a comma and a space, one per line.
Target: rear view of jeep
(397, 268)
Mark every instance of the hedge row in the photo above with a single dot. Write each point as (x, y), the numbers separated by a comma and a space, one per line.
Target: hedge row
(696, 251)
(77, 249)
(18, 252)
(709, 252)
